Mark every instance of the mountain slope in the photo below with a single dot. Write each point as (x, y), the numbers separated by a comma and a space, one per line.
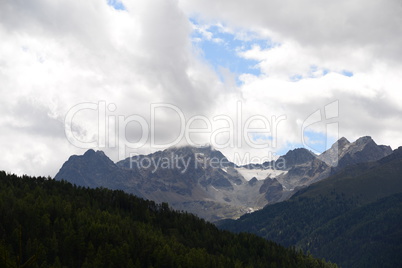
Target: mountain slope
(46, 223)
(328, 218)
(368, 236)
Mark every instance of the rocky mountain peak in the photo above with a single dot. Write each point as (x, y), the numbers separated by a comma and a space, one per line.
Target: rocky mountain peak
(332, 155)
(341, 143)
(89, 153)
(363, 141)
(90, 162)
(363, 149)
(297, 156)
(95, 154)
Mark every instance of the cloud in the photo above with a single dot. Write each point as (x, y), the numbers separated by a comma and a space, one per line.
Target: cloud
(314, 23)
(317, 45)
(55, 55)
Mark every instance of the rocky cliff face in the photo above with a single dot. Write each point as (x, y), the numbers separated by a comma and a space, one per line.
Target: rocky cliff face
(272, 190)
(304, 174)
(295, 157)
(332, 155)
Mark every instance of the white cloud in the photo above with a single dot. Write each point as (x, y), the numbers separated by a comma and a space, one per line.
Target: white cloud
(54, 55)
(316, 38)
(313, 23)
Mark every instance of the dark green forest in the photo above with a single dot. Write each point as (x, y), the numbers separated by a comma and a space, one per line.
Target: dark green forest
(48, 223)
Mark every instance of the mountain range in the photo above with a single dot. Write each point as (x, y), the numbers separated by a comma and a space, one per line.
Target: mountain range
(201, 180)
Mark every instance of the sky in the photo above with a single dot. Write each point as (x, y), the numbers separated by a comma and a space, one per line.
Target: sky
(252, 78)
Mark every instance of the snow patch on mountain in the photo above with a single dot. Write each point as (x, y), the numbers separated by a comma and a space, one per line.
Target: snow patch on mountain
(259, 174)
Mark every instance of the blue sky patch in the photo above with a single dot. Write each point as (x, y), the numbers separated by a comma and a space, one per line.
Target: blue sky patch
(116, 4)
(221, 49)
(316, 71)
(347, 73)
(317, 141)
(296, 77)
(260, 137)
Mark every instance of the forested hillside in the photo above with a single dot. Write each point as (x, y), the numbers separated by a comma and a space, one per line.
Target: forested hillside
(332, 227)
(47, 223)
(353, 218)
